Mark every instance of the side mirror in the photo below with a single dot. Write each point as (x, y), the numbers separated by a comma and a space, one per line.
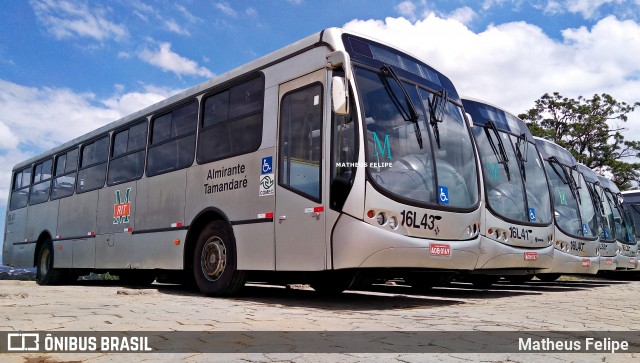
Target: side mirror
(339, 96)
(469, 119)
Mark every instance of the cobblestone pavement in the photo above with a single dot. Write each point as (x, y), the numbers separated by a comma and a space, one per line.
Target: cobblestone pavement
(576, 305)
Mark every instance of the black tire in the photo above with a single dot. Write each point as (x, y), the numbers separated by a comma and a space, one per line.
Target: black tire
(137, 277)
(548, 277)
(483, 281)
(329, 283)
(519, 279)
(46, 274)
(215, 261)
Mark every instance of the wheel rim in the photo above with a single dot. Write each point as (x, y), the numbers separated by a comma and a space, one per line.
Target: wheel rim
(44, 263)
(213, 258)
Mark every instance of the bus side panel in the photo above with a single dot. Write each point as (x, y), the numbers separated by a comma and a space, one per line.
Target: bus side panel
(116, 208)
(63, 254)
(238, 197)
(42, 217)
(160, 200)
(15, 233)
(164, 250)
(116, 212)
(77, 215)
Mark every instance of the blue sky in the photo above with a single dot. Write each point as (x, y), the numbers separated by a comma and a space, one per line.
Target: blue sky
(67, 67)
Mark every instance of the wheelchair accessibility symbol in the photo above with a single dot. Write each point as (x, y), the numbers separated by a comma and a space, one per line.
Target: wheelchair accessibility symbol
(585, 229)
(443, 194)
(267, 165)
(532, 215)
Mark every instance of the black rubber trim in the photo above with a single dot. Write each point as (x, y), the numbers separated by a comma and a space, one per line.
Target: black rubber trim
(252, 221)
(154, 230)
(76, 237)
(24, 243)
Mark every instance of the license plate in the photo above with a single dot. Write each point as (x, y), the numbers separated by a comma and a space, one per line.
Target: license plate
(438, 249)
(531, 256)
(586, 263)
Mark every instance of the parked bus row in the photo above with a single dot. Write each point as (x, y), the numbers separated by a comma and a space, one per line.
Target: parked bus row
(334, 160)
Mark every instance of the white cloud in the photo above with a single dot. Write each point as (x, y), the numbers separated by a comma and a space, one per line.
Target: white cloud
(167, 60)
(226, 9)
(587, 7)
(65, 19)
(513, 64)
(188, 15)
(465, 15)
(37, 119)
(251, 12)
(553, 7)
(172, 26)
(407, 9)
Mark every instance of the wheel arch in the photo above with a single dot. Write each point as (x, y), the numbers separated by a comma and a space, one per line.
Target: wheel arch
(42, 238)
(195, 227)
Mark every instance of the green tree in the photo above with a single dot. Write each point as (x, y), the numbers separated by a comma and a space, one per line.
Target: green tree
(590, 129)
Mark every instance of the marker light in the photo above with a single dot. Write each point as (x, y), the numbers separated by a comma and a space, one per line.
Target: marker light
(371, 213)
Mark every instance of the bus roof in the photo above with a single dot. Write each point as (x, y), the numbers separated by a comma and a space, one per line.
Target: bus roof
(330, 37)
(549, 148)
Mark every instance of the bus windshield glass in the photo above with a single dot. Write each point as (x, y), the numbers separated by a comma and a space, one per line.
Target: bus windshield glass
(425, 158)
(587, 208)
(565, 203)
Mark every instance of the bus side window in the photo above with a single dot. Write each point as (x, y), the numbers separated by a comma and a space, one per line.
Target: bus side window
(20, 189)
(173, 140)
(93, 165)
(301, 141)
(232, 122)
(344, 157)
(41, 183)
(127, 155)
(64, 181)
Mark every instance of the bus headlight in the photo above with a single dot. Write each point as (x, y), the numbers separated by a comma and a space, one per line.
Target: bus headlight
(393, 222)
(381, 218)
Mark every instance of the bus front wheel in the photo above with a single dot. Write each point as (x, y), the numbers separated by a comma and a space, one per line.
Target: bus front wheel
(46, 274)
(214, 261)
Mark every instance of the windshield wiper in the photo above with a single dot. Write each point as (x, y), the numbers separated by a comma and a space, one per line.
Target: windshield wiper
(437, 107)
(500, 152)
(412, 114)
(522, 140)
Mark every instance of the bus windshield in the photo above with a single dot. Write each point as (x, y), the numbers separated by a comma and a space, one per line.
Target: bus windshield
(565, 203)
(587, 208)
(608, 222)
(427, 157)
(516, 185)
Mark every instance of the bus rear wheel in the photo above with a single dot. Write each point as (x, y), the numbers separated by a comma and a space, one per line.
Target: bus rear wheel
(46, 274)
(214, 261)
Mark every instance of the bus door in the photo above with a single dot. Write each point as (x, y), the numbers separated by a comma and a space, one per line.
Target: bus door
(300, 195)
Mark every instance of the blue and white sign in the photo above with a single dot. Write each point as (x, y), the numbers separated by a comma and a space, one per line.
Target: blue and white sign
(532, 215)
(585, 229)
(606, 233)
(443, 194)
(267, 165)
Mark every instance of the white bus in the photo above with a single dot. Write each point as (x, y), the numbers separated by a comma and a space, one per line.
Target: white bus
(333, 156)
(576, 227)
(631, 203)
(608, 247)
(516, 234)
(622, 225)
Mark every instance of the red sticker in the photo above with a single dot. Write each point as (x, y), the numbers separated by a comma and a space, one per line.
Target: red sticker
(586, 263)
(531, 256)
(438, 249)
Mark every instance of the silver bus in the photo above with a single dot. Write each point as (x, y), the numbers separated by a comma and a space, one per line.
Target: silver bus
(623, 226)
(576, 228)
(608, 247)
(631, 203)
(516, 234)
(333, 156)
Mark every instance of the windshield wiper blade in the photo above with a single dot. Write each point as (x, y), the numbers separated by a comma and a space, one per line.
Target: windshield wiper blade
(522, 140)
(437, 106)
(500, 151)
(412, 115)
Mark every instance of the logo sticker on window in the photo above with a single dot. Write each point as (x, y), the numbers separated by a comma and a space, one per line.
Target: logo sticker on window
(443, 194)
(122, 208)
(585, 229)
(267, 180)
(532, 215)
(494, 171)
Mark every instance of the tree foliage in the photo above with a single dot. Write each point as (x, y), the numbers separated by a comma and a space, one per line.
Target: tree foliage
(590, 129)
